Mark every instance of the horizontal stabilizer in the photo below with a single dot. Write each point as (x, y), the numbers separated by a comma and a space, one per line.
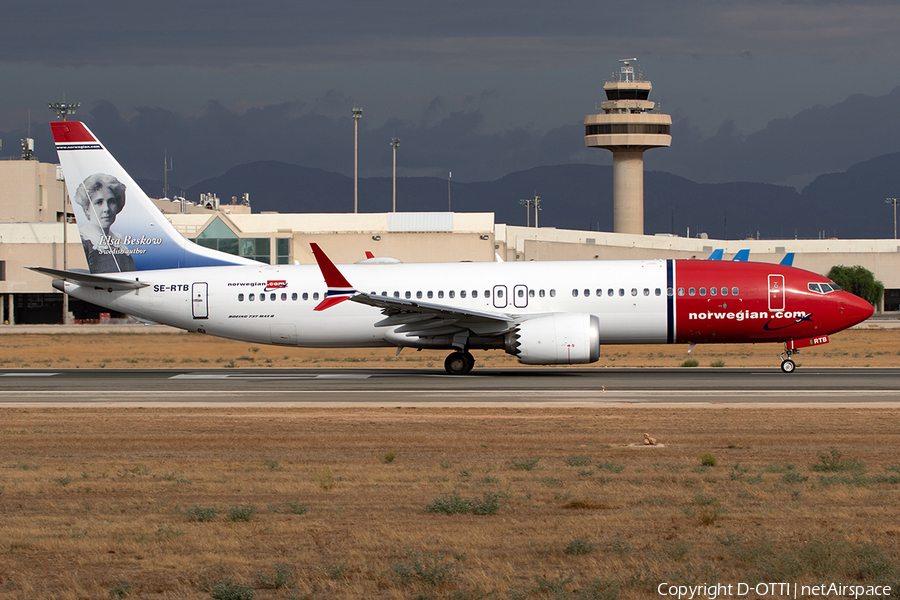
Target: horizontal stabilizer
(88, 279)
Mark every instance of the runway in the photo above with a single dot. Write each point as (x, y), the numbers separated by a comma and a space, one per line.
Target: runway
(486, 387)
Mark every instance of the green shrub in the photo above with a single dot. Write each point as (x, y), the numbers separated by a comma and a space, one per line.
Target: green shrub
(283, 578)
(577, 460)
(717, 363)
(241, 513)
(228, 589)
(426, 568)
(833, 462)
(457, 505)
(580, 546)
(691, 362)
(526, 464)
(197, 514)
(708, 459)
(389, 457)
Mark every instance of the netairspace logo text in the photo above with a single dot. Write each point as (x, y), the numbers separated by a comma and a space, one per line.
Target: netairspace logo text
(721, 591)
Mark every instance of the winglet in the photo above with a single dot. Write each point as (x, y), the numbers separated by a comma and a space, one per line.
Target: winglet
(788, 259)
(742, 255)
(339, 289)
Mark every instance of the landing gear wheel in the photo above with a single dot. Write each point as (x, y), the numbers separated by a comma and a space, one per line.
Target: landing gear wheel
(788, 366)
(459, 363)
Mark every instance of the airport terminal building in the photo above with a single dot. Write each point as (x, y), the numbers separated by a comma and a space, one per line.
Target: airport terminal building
(34, 208)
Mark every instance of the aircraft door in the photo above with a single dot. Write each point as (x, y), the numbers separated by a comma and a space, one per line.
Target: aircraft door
(520, 296)
(500, 300)
(776, 292)
(199, 294)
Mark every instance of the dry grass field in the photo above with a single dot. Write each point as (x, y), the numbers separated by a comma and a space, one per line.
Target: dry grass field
(431, 502)
(852, 348)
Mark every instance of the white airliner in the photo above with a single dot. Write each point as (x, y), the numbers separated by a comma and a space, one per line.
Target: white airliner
(544, 313)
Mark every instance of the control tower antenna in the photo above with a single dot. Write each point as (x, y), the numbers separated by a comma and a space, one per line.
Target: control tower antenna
(627, 129)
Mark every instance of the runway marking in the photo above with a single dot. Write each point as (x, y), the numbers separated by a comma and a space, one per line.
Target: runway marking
(266, 376)
(29, 374)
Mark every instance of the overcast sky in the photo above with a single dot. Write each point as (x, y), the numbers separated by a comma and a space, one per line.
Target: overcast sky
(503, 73)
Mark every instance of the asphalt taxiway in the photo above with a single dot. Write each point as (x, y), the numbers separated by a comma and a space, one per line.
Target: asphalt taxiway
(485, 387)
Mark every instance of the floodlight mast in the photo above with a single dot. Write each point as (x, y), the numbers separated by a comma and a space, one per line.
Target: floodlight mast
(394, 143)
(357, 115)
(894, 201)
(61, 110)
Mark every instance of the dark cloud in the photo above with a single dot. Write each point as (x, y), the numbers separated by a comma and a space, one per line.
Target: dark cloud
(463, 33)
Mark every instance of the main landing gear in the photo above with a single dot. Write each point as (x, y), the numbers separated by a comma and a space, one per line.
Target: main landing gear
(459, 363)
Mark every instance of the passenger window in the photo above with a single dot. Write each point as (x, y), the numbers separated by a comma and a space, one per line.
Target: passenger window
(451, 294)
(634, 291)
(669, 292)
(430, 294)
(440, 293)
(692, 292)
(621, 292)
(462, 293)
(487, 293)
(541, 293)
(240, 297)
(262, 297)
(599, 293)
(531, 293)
(734, 291)
(396, 294)
(587, 293)
(499, 293)
(408, 295)
(474, 293)
(703, 291)
(305, 296)
(724, 291)
(294, 296)
(272, 296)
(520, 293)
(680, 291)
(659, 291)
(553, 293)
(283, 297)
(574, 293)
(419, 295)
(646, 291)
(315, 295)
(384, 293)
(251, 297)
(610, 292)
(713, 291)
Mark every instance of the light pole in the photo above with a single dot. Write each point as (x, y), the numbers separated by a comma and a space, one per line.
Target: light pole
(394, 143)
(357, 115)
(894, 201)
(526, 202)
(61, 110)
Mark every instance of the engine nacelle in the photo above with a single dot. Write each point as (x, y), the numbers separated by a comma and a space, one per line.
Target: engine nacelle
(557, 339)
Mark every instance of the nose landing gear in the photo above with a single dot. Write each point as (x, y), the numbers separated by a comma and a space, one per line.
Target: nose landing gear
(459, 363)
(788, 365)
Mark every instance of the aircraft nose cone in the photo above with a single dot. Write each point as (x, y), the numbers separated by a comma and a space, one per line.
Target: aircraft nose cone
(856, 310)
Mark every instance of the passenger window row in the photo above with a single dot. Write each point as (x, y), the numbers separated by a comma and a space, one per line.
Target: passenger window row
(712, 291)
(611, 292)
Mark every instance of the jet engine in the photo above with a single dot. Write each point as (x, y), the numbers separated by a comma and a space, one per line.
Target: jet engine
(557, 339)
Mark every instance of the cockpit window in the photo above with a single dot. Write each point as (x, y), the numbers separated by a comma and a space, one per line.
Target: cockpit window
(824, 288)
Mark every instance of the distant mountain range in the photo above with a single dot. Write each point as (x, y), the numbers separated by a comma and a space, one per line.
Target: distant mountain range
(850, 204)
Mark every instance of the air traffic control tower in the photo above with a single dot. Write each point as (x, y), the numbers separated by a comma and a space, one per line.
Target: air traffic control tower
(627, 128)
